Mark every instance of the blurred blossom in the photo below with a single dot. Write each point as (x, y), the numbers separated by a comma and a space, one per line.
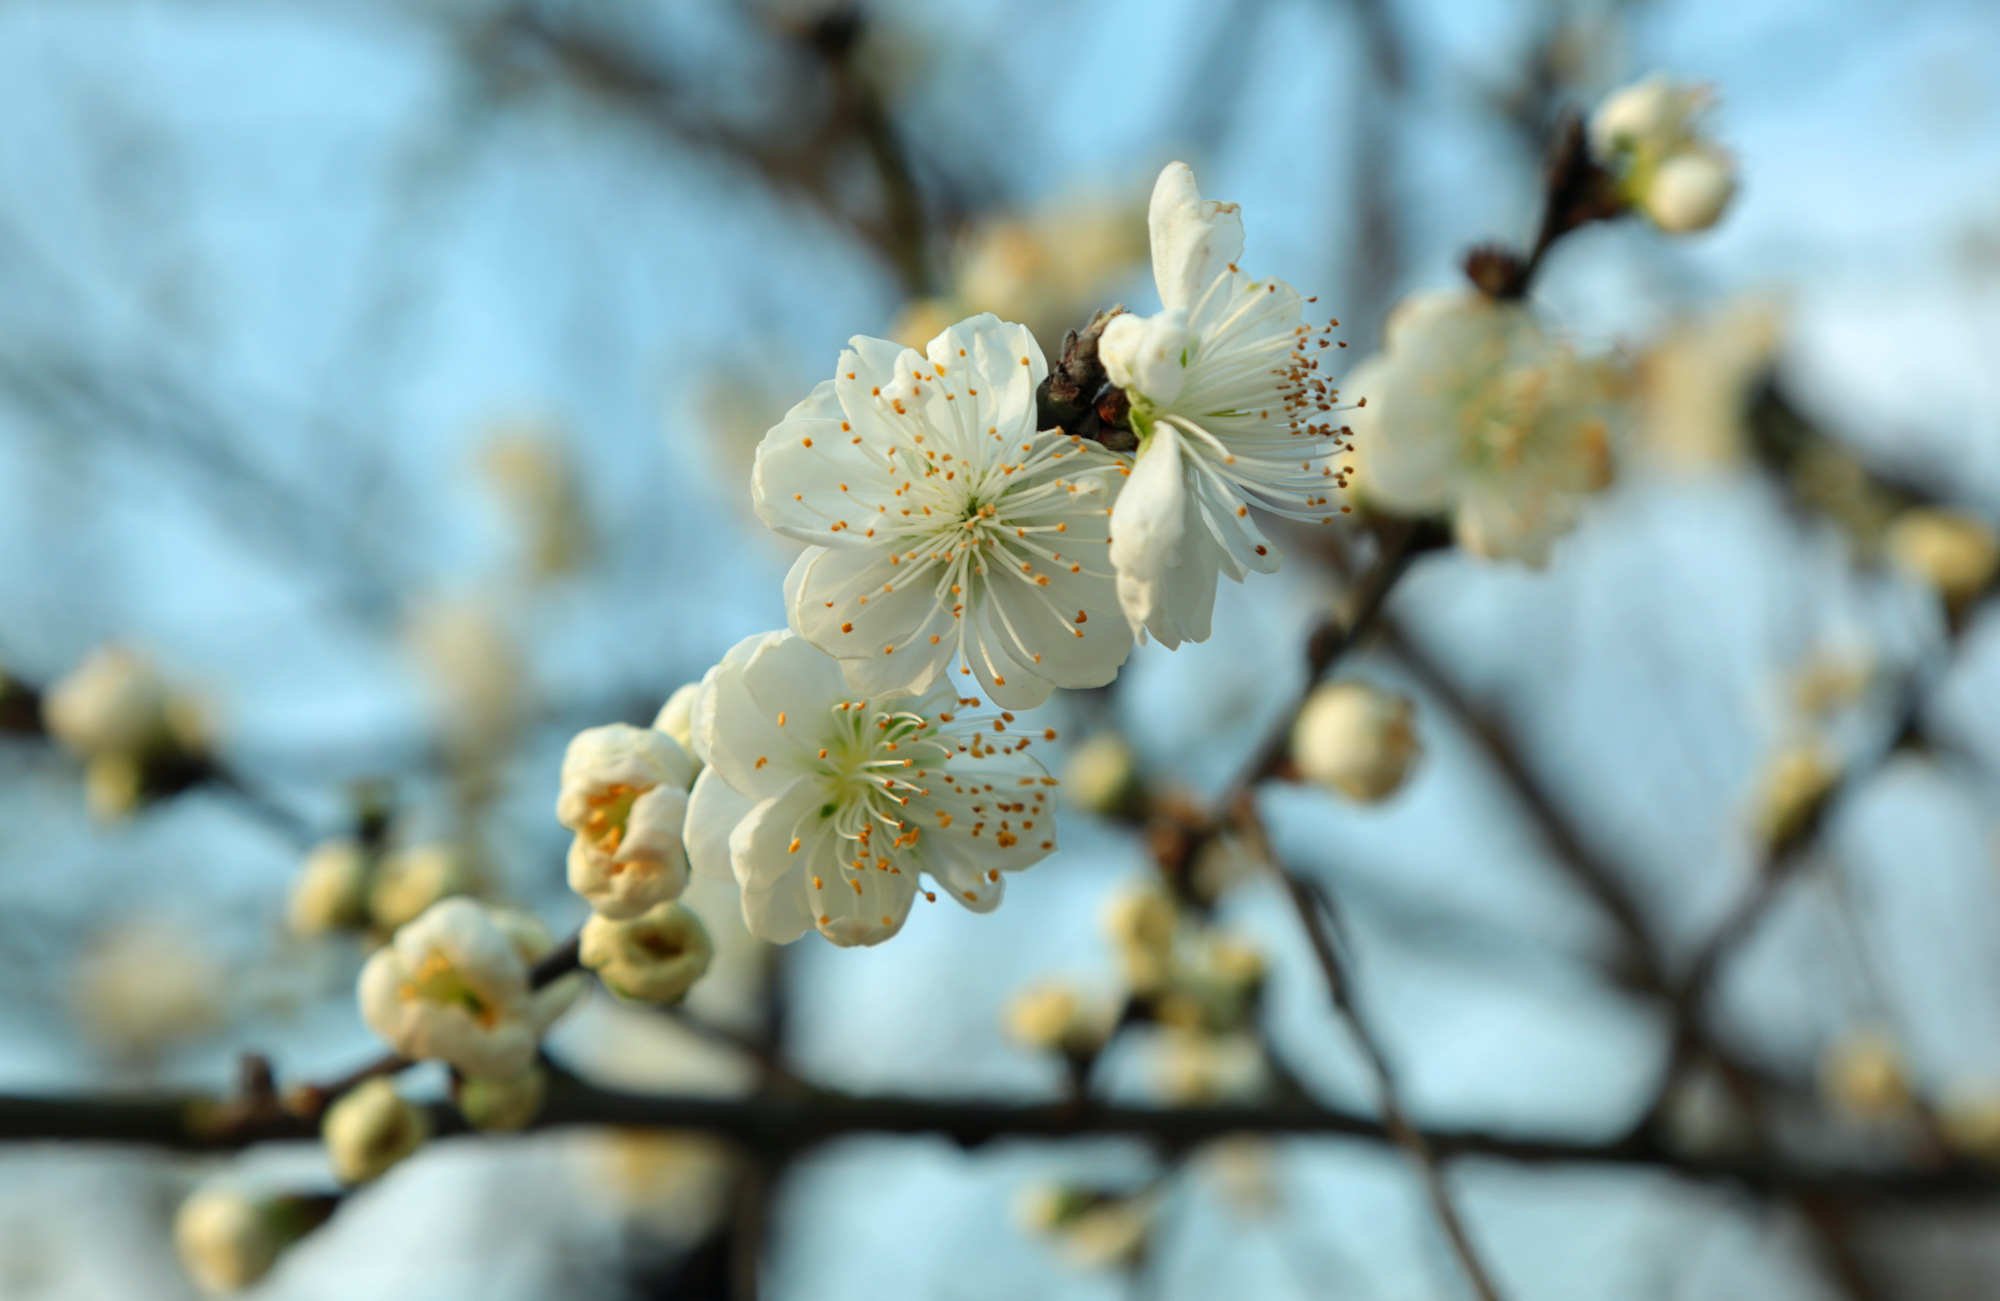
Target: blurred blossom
(1092, 1229)
(1953, 551)
(370, 1128)
(1241, 1170)
(1230, 412)
(1697, 382)
(531, 468)
(505, 1102)
(136, 736)
(1472, 409)
(655, 957)
(677, 1185)
(1862, 1075)
(1101, 775)
(1649, 135)
(1052, 1017)
(1790, 791)
(826, 809)
(1357, 739)
(625, 795)
(477, 675)
(145, 987)
(1969, 1117)
(411, 879)
(228, 1238)
(1197, 1068)
(453, 986)
(991, 560)
(1049, 270)
(330, 892)
(1142, 923)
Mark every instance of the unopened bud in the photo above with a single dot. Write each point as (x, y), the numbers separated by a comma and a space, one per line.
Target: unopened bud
(1954, 552)
(1142, 924)
(655, 957)
(1101, 775)
(1689, 191)
(331, 890)
(370, 1128)
(506, 1102)
(676, 717)
(227, 1239)
(1862, 1075)
(411, 880)
(1793, 788)
(1357, 739)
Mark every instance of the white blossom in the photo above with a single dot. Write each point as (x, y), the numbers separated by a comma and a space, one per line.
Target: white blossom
(227, 1239)
(624, 794)
(1649, 134)
(945, 528)
(370, 1128)
(1471, 408)
(330, 892)
(1357, 739)
(656, 957)
(1230, 411)
(1059, 1018)
(453, 986)
(111, 703)
(827, 806)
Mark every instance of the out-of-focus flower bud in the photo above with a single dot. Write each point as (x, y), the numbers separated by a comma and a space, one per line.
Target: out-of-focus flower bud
(1357, 739)
(1102, 776)
(1862, 1075)
(1201, 1069)
(370, 1128)
(504, 1103)
(1142, 923)
(114, 785)
(531, 467)
(655, 957)
(1649, 135)
(1794, 786)
(331, 890)
(1954, 552)
(112, 703)
(1059, 1018)
(227, 1239)
(1093, 1229)
(144, 987)
(676, 718)
(1690, 191)
(1969, 1117)
(410, 880)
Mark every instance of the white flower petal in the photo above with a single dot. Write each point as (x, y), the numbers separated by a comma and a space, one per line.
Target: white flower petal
(1147, 354)
(1193, 241)
(1147, 525)
(714, 809)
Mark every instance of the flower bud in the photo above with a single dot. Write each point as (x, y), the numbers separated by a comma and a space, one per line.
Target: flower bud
(1102, 776)
(331, 890)
(1057, 1018)
(1092, 1228)
(1147, 354)
(1862, 1076)
(112, 703)
(1647, 110)
(676, 717)
(1142, 924)
(1689, 191)
(1357, 739)
(1794, 786)
(1954, 552)
(370, 1128)
(1969, 1117)
(227, 1239)
(655, 957)
(1201, 1069)
(504, 1102)
(146, 987)
(411, 880)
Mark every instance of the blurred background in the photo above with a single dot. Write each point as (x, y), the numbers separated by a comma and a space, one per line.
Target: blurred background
(384, 377)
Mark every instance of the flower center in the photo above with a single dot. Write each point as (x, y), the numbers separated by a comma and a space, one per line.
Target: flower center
(610, 815)
(437, 981)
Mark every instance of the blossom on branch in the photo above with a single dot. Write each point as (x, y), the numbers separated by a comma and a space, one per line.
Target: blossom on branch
(453, 986)
(827, 806)
(1230, 411)
(624, 794)
(655, 957)
(1649, 135)
(945, 528)
(370, 1128)
(1357, 739)
(1472, 409)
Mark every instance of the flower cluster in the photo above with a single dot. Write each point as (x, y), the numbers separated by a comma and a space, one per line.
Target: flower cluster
(1649, 135)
